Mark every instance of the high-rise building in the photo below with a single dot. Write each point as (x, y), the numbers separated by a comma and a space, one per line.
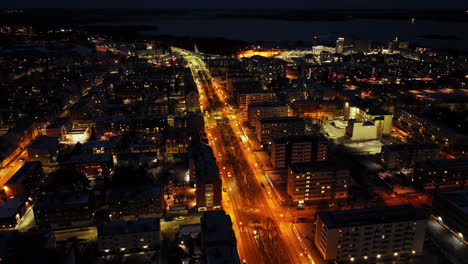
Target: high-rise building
(257, 111)
(318, 181)
(218, 240)
(271, 128)
(392, 233)
(294, 149)
(339, 45)
(204, 173)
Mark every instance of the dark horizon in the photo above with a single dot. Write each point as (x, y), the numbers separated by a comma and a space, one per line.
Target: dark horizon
(242, 4)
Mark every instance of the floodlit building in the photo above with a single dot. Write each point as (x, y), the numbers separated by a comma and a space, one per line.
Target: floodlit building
(365, 123)
(442, 174)
(257, 111)
(318, 181)
(392, 233)
(361, 130)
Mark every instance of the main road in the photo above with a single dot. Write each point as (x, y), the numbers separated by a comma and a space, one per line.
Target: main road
(263, 228)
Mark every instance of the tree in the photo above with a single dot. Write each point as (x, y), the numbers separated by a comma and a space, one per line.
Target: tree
(93, 134)
(127, 175)
(78, 149)
(65, 178)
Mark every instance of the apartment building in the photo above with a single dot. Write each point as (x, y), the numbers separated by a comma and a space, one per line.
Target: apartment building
(406, 155)
(429, 130)
(318, 181)
(245, 97)
(257, 111)
(441, 174)
(218, 240)
(451, 208)
(123, 237)
(134, 202)
(390, 234)
(294, 149)
(271, 128)
(62, 210)
(204, 174)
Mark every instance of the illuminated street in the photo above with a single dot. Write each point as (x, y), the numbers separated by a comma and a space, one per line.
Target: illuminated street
(259, 221)
(12, 168)
(245, 132)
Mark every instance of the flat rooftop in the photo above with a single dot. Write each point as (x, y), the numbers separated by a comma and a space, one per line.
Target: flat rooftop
(281, 119)
(371, 216)
(85, 158)
(59, 122)
(10, 206)
(217, 229)
(458, 198)
(301, 138)
(267, 104)
(27, 170)
(63, 199)
(319, 165)
(128, 227)
(444, 164)
(133, 193)
(205, 162)
(45, 142)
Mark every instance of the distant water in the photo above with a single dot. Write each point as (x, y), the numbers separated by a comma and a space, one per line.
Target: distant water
(452, 34)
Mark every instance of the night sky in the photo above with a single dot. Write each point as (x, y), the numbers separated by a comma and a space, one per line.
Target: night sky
(293, 4)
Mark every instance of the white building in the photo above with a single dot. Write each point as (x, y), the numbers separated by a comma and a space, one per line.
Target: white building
(371, 234)
(367, 116)
(360, 131)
